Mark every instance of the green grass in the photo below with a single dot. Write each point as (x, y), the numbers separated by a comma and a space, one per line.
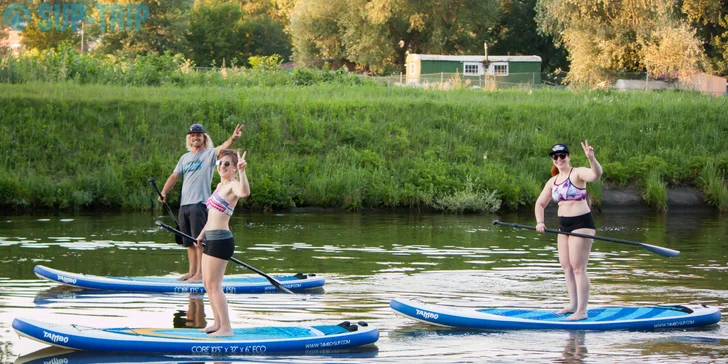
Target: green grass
(345, 145)
(655, 192)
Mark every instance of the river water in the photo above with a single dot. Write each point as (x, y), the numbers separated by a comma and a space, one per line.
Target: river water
(367, 260)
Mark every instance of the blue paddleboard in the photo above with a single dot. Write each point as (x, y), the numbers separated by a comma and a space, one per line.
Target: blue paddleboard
(231, 284)
(604, 318)
(245, 341)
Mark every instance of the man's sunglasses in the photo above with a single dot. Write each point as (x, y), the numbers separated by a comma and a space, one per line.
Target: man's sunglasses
(558, 155)
(221, 163)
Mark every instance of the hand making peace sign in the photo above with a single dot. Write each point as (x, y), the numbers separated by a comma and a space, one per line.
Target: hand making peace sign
(238, 132)
(588, 150)
(241, 161)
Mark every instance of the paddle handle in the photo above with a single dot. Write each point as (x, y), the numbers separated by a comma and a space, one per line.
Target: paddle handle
(166, 205)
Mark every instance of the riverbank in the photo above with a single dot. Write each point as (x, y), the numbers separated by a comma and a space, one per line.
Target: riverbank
(357, 147)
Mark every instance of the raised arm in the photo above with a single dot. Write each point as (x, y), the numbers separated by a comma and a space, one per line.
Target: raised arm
(594, 172)
(242, 188)
(229, 143)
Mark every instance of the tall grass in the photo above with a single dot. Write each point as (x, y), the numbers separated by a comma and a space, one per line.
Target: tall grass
(65, 65)
(712, 181)
(655, 191)
(343, 144)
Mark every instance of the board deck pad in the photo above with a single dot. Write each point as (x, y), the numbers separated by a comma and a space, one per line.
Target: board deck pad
(231, 284)
(258, 333)
(595, 315)
(602, 318)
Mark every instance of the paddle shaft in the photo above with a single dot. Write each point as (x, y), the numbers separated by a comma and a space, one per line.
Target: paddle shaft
(166, 205)
(653, 248)
(270, 279)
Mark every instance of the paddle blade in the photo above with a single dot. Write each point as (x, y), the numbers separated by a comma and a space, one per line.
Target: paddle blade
(665, 252)
(280, 286)
(270, 279)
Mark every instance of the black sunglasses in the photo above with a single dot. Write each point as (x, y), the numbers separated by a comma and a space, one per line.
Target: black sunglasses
(558, 155)
(221, 163)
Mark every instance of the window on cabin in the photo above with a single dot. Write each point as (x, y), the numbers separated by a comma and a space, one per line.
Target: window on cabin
(500, 69)
(471, 68)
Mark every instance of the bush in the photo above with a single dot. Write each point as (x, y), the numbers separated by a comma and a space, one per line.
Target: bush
(469, 200)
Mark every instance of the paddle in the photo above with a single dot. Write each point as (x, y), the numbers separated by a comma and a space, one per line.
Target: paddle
(269, 278)
(665, 252)
(177, 238)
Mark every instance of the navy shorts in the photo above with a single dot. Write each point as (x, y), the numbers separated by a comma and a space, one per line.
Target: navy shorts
(192, 218)
(571, 223)
(219, 244)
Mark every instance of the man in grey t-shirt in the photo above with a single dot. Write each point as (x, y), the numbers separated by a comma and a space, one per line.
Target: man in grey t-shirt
(196, 168)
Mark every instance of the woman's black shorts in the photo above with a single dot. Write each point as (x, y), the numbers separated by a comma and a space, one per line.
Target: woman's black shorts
(219, 244)
(571, 223)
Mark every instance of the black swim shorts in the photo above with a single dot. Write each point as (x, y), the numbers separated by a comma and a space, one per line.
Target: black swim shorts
(571, 223)
(219, 244)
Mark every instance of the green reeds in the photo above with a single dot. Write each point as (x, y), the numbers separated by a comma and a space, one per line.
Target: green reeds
(655, 192)
(712, 181)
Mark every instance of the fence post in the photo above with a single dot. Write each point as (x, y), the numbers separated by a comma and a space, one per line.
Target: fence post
(647, 79)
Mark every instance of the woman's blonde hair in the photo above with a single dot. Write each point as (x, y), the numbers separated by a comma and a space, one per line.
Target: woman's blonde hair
(208, 142)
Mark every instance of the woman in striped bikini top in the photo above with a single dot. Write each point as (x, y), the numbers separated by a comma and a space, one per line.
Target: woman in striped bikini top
(217, 237)
(216, 202)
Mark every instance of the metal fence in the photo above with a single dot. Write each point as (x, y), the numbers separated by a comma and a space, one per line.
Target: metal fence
(622, 81)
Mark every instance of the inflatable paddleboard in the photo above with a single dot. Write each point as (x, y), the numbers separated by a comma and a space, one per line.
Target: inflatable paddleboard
(231, 284)
(604, 318)
(245, 341)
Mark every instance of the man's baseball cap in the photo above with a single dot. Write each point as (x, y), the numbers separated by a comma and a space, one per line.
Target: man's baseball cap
(559, 148)
(196, 128)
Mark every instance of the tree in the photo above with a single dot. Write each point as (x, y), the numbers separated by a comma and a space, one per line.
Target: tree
(215, 33)
(376, 33)
(35, 37)
(604, 36)
(710, 19)
(517, 33)
(164, 29)
(223, 31)
(671, 52)
(50, 30)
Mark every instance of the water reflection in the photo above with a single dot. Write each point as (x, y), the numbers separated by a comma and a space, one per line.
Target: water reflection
(56, 355)
(575, 350)
(194, 316)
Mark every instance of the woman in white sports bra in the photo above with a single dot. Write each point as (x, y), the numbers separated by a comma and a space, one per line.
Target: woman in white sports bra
(567, 187)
